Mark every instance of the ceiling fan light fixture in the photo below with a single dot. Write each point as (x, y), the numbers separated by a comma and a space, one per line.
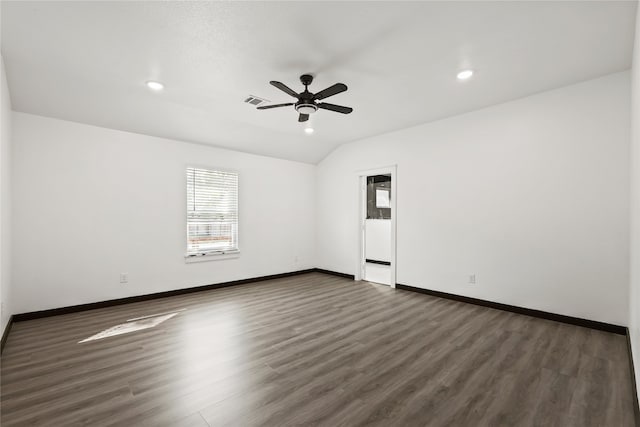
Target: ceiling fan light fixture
(306, 108)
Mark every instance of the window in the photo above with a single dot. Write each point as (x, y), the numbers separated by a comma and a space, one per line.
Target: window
(379, 197)
(212, 212)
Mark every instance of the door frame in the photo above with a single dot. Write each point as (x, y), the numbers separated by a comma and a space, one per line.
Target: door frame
(361, 185)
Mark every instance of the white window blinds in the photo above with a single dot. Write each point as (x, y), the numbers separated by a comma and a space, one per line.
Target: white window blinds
(212, 211)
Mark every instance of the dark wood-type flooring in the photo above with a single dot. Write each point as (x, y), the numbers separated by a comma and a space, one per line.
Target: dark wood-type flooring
(314, 349)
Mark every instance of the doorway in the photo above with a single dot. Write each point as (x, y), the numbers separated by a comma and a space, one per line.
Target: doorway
(376, 226)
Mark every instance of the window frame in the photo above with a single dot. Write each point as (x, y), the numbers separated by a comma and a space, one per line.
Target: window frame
(211, 255)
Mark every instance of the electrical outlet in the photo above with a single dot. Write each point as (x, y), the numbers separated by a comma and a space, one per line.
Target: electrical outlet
(472, 279)
(124, 277)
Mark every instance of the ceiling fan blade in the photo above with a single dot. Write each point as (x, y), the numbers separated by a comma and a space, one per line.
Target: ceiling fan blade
(284, 88)
(336, 108)
(266, 107)
(303, 117)
(330, 91)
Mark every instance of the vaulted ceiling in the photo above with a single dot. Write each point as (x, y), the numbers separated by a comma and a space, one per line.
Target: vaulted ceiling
(88, 62)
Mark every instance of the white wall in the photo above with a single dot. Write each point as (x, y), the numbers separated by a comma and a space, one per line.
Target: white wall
(90, 203)
(634, 291)
(6, 308)
(532, 196)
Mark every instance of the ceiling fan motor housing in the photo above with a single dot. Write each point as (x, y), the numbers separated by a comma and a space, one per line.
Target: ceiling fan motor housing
(305, 105)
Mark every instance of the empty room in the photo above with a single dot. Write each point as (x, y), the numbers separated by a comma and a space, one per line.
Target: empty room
(319, 213)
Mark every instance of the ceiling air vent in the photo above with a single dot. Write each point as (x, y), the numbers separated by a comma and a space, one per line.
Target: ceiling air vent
(254, 100)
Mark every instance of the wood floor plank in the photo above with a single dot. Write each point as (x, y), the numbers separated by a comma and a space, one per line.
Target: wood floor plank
(313, 350)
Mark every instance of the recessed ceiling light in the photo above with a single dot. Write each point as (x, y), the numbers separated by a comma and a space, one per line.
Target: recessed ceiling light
(465, 74)
(308, 131)
(155, 85)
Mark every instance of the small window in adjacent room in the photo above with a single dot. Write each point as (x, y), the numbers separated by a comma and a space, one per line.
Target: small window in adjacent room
(212, 212)
(379, 197)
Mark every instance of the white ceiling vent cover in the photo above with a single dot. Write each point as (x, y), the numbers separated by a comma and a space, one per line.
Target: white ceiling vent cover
(254, 100)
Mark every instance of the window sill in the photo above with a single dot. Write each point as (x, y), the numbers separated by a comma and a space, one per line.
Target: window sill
(214, 256)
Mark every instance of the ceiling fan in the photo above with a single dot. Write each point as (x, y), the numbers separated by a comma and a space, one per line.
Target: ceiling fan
(307, 101)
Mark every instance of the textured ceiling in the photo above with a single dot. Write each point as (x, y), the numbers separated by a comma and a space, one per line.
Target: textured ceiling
(88, 61)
